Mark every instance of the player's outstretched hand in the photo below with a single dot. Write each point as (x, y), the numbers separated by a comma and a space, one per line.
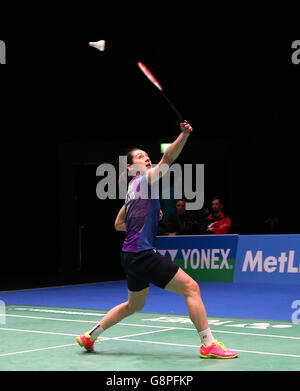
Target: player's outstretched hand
(186, 127)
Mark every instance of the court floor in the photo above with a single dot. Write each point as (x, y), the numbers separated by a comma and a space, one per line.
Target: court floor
(40, 338)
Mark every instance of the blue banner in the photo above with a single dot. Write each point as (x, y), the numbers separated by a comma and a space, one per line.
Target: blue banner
(268, 259)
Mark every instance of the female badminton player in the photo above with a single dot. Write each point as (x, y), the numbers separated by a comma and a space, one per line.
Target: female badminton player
(142, 263)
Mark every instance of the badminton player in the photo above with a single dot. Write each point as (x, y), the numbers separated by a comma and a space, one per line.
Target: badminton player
(142, 263)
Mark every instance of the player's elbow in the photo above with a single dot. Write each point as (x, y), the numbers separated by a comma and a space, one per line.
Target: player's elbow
(120, 226)
(117, 227)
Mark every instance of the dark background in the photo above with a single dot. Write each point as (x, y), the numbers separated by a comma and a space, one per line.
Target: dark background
(66, 108)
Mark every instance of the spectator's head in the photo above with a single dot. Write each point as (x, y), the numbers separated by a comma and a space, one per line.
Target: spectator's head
(216, 205)
(180, 207)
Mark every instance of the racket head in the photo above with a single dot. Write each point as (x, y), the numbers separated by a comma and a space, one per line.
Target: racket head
(149, 75)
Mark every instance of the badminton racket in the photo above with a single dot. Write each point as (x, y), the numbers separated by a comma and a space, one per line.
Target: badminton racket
(153, 80)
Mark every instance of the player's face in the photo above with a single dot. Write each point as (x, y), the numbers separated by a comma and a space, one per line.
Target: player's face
(140, 161)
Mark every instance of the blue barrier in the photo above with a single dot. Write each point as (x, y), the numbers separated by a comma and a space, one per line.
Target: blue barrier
(236, 258)
(268, 259)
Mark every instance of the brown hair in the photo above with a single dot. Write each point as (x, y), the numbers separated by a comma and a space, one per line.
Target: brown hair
(124, 175)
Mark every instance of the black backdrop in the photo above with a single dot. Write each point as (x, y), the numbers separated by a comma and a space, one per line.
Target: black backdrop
(238, 88)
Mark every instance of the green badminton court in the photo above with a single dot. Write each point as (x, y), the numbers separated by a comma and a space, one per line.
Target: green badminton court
(34, 338)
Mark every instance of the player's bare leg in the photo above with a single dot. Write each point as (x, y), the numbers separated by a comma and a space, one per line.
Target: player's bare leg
(135, 303)
(183, 284)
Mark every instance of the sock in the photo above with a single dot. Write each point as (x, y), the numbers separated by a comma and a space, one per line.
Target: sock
(206, 337)
(95, 332)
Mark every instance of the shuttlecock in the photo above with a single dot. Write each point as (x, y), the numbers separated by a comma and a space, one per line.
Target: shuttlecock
(100, 45)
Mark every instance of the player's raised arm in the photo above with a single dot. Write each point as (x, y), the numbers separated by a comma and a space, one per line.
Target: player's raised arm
(171, 154)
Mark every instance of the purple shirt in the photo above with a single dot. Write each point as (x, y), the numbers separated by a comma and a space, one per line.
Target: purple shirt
(142, 215)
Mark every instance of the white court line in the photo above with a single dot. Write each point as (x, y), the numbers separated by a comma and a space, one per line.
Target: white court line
(59, 319)
(158, 327)
(89, 321)
(55, 311)
(253, 334)
(147, 332)
(37, 350)
(124, 338)
(64, 334)
(38, 331)
(198, 346)
(272, 354)
(76, 335)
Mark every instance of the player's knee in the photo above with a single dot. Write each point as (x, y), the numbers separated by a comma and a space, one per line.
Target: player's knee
(192, 288)
(139, 307)
(136, 307)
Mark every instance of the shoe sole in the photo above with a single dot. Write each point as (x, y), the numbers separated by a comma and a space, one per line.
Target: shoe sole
(216, 356)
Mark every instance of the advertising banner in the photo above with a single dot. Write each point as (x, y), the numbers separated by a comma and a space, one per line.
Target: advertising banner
(203, 257)
(268, 259)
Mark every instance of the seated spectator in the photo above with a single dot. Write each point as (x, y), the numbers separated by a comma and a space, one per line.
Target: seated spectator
(182, 222)
(216, 222)
(161, 229)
